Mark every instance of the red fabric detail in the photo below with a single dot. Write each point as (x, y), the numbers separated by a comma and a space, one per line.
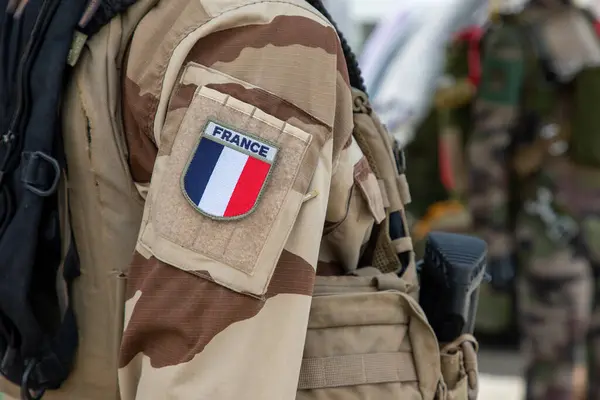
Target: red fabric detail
(248, 187)
(445, 166)
(472, 35)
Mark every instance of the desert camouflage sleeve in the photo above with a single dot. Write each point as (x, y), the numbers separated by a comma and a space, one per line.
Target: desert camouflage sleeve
(220, 286)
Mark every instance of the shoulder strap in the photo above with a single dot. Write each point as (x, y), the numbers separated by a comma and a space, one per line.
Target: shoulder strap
(390, 249)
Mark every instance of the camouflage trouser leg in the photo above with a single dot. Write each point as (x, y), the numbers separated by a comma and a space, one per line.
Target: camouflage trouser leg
(554, 295)
(593, 341)
(590, 229)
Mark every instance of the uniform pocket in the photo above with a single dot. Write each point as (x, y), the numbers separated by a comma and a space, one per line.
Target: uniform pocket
(355, 205)
(223, 202)
(459, 368)
(367, 183)
(366, 344)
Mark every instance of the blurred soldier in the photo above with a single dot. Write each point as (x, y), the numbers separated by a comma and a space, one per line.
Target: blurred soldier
(454, 102)
(451, 108)
(454, 106)
(535, 167)
(436, 152)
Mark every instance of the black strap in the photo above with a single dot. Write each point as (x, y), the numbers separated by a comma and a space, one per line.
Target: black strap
(55, 365)
(57, 357)
(40, 343)
(106, 10)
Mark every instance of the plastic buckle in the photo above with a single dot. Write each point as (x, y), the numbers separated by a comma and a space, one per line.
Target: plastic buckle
(26, 392)
(31, 169)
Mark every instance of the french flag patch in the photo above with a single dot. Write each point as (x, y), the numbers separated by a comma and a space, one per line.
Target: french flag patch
(227, 172)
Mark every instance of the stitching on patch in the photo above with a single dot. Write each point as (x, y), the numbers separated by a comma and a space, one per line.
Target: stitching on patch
(219, 258)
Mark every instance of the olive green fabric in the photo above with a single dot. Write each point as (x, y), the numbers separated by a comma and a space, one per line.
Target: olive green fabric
(423, 168)
(585, 141)
(458, 119)
(495, 311)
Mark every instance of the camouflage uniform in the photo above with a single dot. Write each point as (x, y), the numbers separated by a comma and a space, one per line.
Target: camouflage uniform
(221, 143)
(216, 307)
(455, 104)
(213, 311)
(528, 174)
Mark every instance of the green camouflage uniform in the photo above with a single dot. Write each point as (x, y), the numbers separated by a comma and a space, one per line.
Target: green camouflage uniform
(535, 170)
(494, 314)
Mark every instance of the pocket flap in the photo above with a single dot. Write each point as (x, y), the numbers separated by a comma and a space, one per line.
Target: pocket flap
(369, 187)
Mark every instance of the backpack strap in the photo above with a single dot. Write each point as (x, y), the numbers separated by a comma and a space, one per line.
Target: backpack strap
(58, 351)
(357, 369)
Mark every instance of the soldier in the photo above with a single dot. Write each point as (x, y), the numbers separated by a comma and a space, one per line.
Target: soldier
(451, 109)
(231, 148)
(534, 168)
(454, 101)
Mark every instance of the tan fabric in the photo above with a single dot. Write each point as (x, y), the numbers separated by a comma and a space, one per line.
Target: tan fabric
(402, 245)
(186, 238)
(459, 368)
(356, 369)
(355, 205)
(356, 318)
(404, 189)
(368, 338)
(376, 144)
(208, 297)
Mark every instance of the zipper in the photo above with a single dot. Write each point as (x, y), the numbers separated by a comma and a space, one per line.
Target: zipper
(44, 16)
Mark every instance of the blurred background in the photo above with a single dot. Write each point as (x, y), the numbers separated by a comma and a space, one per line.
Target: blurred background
(402, 48)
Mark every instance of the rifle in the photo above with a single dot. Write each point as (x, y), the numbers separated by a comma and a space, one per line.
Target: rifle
(451, 273)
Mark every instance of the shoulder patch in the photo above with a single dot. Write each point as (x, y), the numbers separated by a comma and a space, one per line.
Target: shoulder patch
(227, 172)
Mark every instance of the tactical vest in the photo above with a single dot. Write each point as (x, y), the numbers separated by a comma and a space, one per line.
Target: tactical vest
(368, 337)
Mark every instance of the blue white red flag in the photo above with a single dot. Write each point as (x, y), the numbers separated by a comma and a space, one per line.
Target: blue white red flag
(227, 172)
